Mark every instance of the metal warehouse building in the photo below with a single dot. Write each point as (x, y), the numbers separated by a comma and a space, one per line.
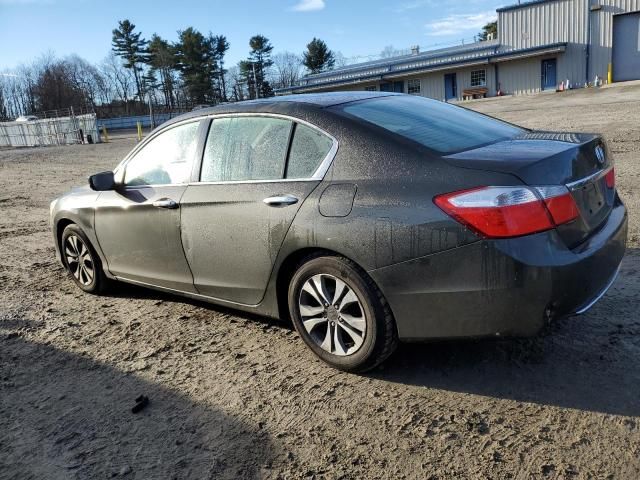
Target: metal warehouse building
(540, 44)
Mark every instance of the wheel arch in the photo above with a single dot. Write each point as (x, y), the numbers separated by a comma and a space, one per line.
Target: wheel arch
(288, 268)
(60, 226)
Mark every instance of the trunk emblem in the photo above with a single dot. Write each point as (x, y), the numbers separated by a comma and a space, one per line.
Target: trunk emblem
(600, 155)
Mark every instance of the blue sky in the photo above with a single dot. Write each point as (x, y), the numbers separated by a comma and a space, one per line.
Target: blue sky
(29, 28)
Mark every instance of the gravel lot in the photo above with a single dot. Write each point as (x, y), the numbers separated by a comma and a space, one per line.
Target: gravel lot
(234, 396)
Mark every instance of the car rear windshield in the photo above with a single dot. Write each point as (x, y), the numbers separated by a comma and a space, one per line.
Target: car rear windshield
(437, 125)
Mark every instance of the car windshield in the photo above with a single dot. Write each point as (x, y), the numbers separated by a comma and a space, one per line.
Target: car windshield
(437, 125)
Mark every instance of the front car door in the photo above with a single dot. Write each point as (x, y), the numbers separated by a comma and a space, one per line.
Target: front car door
(256, 172)
(138, 224)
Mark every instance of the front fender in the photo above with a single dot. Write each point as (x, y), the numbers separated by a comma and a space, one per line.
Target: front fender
(76, 207)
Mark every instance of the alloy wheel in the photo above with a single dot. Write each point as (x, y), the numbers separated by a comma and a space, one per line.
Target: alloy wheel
(332, 314)
(79, 260)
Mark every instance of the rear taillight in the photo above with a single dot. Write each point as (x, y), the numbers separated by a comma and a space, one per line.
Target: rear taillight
(502, 212)
(610, 178)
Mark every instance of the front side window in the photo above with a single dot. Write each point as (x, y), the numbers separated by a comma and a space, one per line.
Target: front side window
(245, 148)
(478, 78)
(308, 149)
(437, 125)
(166, 160)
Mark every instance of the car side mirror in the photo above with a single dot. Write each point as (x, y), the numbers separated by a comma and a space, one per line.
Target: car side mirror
(101, 182)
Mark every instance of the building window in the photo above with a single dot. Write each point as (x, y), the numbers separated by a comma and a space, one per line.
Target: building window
(413, 87)
(372, 88)
(479, 78)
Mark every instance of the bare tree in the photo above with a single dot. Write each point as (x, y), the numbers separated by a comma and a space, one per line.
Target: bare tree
(389, 51)
(341, 60)
(287, 69)
(87, 79)
(234, 81)
(3, 105)
(118, 78)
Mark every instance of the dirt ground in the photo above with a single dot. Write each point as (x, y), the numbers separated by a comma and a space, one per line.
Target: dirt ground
(234, 396)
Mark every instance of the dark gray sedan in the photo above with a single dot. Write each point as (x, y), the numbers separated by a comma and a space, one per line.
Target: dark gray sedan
(364, 218)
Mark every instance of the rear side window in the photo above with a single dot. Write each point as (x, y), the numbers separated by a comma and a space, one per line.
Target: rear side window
(437, 125)
(245, 148)
(308, 148)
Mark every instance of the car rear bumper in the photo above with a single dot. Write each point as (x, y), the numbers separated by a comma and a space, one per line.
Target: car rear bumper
(502, 287)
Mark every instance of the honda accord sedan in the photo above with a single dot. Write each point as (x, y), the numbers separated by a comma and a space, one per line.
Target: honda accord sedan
(364, 218)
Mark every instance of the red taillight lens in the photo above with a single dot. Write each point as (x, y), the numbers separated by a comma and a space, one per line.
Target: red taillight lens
(503, 212)
(610, 178)
(560, 204)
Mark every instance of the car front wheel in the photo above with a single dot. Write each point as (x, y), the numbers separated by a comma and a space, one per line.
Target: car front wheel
(341, 314)
(82, 261)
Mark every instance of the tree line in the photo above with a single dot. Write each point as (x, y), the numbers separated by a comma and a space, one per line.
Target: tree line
(182, 73)
(179, 74)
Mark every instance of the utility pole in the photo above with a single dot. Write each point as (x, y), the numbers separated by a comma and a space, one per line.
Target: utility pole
(151, 112)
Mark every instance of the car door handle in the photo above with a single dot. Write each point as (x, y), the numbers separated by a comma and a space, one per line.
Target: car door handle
(166, 203)
(280, 200)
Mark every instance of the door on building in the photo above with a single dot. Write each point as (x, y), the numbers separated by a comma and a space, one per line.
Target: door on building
(626, 47)
(397, 87)
(549, 74)
(450, 86)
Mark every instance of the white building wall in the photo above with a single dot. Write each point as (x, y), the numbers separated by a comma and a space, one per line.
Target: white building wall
(463, 77)
(567, 21)
(520, 77)
(602, 33)
(548, 23)
(432, 86)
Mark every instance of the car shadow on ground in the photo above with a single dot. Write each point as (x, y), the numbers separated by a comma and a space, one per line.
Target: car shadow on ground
(129, 290)
(590, 362)
(66, 415)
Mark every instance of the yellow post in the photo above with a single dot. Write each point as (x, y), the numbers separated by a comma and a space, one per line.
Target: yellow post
(105, 134)
(139, 131)
(610, 73)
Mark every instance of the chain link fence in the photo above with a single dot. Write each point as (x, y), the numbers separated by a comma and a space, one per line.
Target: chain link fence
(58, 127)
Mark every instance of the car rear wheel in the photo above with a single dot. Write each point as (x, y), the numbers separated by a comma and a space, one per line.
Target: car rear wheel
(341, 314)
(82, 261)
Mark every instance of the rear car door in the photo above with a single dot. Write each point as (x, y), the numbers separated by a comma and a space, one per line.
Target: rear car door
(138, 224)
(256, 172)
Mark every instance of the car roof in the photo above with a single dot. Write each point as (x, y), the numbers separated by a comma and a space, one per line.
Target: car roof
(305, 102)
(324, 100)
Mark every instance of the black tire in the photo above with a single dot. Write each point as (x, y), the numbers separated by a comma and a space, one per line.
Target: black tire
(378, 341)
(99, 283)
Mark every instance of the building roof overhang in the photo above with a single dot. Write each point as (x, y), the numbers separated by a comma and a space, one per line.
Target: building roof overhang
(416, 68)
(518, 6)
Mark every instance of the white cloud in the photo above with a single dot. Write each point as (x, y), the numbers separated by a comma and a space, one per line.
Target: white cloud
(308, 6)
(454, 24)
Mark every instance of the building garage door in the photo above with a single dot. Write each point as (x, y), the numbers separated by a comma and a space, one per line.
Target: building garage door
(626, 47)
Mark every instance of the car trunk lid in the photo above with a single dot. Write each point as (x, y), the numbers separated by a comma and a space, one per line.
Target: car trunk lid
(578, 161)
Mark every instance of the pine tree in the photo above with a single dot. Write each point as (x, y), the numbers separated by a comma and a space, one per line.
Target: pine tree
(489, 28)
(197, 63)
(129, 45)
(318, 58)
(220, 47)
(254, 69)
(162, 63)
